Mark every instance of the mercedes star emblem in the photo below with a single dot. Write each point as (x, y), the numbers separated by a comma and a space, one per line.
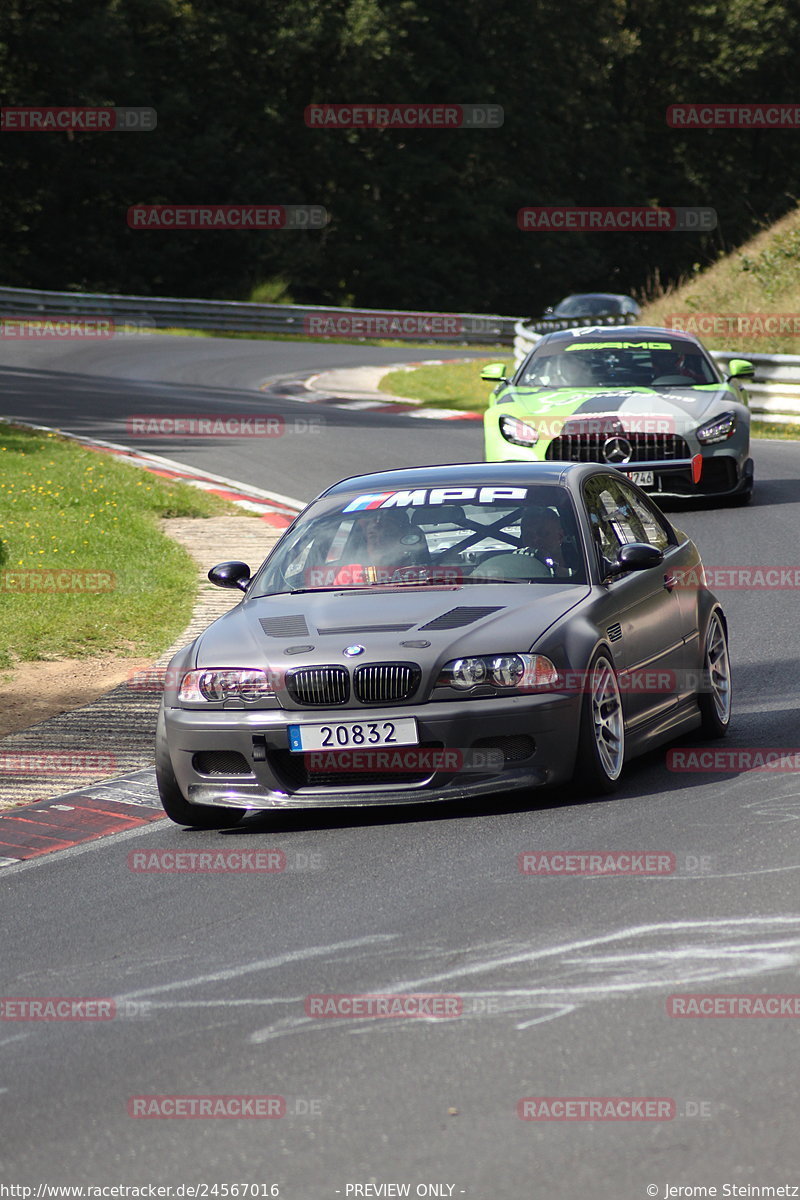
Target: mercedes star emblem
(617, 450)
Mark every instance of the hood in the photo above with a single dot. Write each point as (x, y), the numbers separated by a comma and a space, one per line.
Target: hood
(683, 408)
(426, 625)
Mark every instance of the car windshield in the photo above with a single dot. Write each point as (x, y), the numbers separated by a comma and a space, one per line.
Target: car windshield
(591, 306)
(429, 538)
(667, 362)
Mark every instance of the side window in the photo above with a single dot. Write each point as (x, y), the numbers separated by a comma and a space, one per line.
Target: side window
(646, 519)
(601, 504)
(618, 516)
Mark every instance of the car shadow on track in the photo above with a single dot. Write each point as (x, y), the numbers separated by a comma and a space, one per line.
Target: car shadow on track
(544, 799)
(318, 819)
(766, 494)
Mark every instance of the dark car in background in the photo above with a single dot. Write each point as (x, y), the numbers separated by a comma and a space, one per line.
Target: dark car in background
(583, 307)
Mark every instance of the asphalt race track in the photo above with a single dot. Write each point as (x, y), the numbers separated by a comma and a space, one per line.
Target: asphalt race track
(563, 982)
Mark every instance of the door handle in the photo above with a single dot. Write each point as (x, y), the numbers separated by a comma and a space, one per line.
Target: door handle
(670, 581)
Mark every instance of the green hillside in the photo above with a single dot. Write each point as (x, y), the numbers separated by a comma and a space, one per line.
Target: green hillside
(729, 305)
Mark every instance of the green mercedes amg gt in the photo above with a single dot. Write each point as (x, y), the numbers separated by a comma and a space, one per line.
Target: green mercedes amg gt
(649, 401)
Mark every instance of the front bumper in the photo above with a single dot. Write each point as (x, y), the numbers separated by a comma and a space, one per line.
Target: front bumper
(528, 741)
(727, 469)
(721, 474)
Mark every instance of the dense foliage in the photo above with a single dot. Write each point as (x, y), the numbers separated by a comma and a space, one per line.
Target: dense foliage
(419, 219)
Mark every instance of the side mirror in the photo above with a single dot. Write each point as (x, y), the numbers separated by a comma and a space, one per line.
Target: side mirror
(494, 373)
(230, 575)
(637, 556)
(740, 368)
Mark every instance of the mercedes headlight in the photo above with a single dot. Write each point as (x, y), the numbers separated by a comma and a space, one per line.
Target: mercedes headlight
(717, 430)
(518, 432)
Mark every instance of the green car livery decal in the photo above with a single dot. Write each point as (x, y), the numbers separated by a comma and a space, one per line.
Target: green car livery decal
(550, 412)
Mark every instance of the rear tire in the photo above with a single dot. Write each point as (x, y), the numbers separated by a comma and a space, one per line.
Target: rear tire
(601, 744)
(177, 807)
(714, 701)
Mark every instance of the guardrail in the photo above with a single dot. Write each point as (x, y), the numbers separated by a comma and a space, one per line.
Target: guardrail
(774, 394)
(524, 341)
(158, 312)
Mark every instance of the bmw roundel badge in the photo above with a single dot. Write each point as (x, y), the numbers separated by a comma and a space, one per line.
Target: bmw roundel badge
(353, 651)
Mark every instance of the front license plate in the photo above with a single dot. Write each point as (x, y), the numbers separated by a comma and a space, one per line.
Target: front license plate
(348, 735)
(643, 478)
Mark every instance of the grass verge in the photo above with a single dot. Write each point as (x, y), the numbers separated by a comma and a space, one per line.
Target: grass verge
(84, 567)
(382, 343)
(451, 385)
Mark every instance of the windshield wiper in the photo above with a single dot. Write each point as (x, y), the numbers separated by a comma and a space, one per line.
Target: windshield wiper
(494, 579)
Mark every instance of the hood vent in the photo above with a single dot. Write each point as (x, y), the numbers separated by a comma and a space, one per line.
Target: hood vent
(285, 627)
(458, 617)
(344, 630)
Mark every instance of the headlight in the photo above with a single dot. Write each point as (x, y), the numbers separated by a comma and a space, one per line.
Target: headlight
(717, 430)
(523, 672)
(225, 684)
(464, 673)
(518, 432)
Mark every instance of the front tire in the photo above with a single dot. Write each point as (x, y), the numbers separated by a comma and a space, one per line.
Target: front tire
(601, 744)
(177, 808)
(714, 701)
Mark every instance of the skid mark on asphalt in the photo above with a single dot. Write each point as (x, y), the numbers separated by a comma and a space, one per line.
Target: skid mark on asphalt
(567, 976)
(524, 985)
(266, 964)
